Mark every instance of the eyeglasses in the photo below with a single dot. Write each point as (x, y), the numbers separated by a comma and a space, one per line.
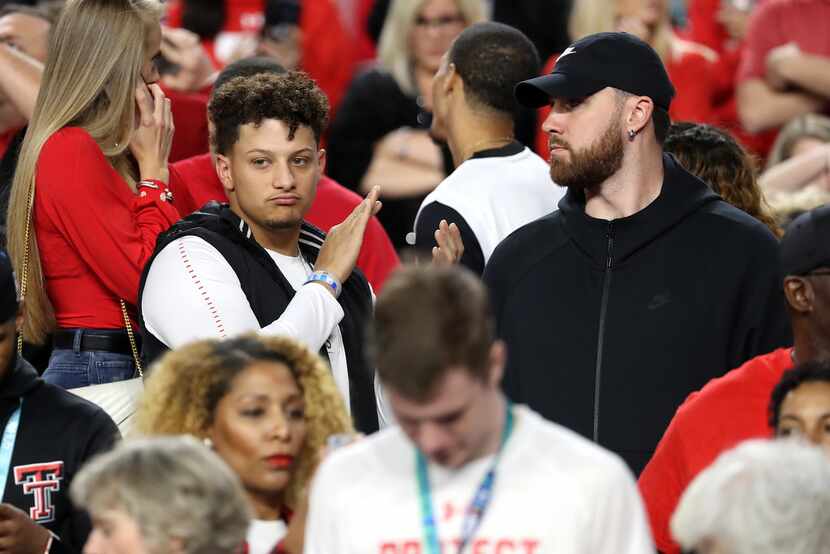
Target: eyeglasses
(438, 23)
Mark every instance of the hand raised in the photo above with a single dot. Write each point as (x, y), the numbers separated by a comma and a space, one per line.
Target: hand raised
(341, 248)
(184, 49)
(153, 136)
(450, 246)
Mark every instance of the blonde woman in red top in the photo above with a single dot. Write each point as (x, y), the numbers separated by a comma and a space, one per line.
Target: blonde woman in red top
(89, 195)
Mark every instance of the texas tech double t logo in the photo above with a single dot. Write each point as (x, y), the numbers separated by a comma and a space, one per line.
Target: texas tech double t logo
(40, 480)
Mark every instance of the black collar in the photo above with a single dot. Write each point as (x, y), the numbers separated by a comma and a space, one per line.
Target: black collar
(509, 149)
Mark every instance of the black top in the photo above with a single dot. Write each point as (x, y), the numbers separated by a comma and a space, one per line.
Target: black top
(610, 325)
(428, 221)
(374, 105)
(58, 432)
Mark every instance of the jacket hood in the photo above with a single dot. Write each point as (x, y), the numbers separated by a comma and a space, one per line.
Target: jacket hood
(22, 380)
(681, 195)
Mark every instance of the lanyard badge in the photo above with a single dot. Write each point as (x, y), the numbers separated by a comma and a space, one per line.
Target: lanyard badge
(478, 506)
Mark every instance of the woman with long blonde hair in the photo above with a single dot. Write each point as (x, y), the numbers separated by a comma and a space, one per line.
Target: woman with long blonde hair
(89, 196)
(267, 406)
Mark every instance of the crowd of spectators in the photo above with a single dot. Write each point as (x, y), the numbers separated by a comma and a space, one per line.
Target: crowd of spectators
(560, 269)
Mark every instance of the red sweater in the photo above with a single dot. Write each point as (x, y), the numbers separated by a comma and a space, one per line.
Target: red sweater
(190, 118)
(725, 412)
(197, 183)
(94, 234)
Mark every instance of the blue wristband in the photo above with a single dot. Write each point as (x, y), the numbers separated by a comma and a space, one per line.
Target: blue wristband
(326, 278)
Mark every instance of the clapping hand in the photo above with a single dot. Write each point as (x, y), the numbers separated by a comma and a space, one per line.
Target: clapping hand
(450, 246)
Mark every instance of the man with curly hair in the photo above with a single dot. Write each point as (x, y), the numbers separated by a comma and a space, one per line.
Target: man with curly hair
(254, 264)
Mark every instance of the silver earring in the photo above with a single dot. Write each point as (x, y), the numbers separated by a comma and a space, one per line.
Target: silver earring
(208, 443)
(631, 134)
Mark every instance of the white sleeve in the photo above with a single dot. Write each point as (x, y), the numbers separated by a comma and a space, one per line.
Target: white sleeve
(619, 525)
(321, 528)
(193, 293)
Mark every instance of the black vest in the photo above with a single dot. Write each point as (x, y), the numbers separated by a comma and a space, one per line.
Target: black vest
(269, 292)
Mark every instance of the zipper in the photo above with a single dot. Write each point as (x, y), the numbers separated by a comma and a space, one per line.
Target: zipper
(603, 312)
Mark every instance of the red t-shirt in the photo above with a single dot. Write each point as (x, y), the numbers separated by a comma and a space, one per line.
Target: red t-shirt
(198, 184)
(777, 22)
(190, 118)
(94, 234)
(725, 412)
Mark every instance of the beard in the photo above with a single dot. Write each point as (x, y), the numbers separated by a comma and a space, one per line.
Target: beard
(590, 167)
(282, 224)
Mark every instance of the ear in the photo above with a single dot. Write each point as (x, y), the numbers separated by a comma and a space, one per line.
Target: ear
(451, 80)
(223, 170)
(799, 293)
(639, 115)
(321, 159)
(497, 359)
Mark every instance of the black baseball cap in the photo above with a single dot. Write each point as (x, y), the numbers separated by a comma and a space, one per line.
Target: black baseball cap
(617, 60)
(806, 244)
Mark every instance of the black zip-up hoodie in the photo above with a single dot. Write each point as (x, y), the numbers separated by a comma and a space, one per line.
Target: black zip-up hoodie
(57, 433)
(610, 325)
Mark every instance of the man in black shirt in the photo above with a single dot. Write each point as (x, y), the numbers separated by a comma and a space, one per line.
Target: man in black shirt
(645, 284)
(48, 434)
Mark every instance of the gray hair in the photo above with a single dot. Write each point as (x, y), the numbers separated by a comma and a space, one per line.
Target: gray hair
(763, 497)
(176, 490)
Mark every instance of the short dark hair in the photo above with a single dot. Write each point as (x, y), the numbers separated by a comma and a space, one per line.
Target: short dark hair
(808, 372)
(491, 59)
(428, 320)
(293, 98)
(246, 67)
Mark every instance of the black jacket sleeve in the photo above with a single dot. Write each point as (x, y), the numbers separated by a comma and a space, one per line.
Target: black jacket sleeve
(428, 220)
(103, 434)
(762, 325)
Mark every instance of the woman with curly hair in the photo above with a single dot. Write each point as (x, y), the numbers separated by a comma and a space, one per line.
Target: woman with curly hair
(266, 405)
(717, 159)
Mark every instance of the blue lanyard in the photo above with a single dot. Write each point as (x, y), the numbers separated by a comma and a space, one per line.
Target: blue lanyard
(7, 447)
(475, 511)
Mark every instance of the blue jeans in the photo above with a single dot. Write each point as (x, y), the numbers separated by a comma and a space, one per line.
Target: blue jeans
(73, 368)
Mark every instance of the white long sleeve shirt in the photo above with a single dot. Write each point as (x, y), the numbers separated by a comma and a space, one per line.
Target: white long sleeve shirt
(193, 293)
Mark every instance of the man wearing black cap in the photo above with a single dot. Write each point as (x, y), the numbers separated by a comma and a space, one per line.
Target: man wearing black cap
(733, 408)
(48, 433)
(645, 284)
